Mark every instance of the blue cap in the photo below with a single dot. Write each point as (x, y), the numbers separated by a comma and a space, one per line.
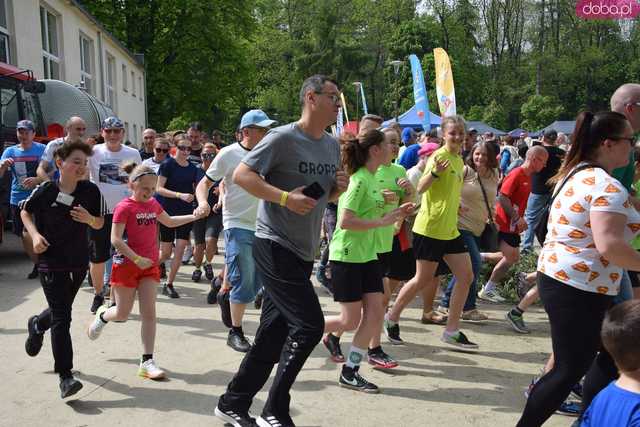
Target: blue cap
(26, 124)
(112, 123)
(256, 118)
(407, 135)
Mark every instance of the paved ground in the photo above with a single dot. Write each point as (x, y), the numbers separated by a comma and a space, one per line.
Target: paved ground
(432, 387)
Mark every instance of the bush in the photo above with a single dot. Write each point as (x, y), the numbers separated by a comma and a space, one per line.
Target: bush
(528, 263)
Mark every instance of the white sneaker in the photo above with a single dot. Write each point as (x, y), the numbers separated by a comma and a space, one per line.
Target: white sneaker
(149, 369)
(491, 296)
(95, 328)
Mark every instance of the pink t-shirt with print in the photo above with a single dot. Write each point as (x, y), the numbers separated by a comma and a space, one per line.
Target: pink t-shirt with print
(140, 219)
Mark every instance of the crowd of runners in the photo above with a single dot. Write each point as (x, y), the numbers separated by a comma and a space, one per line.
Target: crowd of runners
(402, 213)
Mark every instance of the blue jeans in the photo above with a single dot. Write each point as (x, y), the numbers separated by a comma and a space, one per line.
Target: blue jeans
(535, 208)
(473, 245)
(241, 267)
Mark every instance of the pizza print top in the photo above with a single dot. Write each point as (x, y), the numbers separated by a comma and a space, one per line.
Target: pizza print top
(569, 254)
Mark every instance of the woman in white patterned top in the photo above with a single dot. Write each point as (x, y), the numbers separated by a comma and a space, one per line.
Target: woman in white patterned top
(591, 223)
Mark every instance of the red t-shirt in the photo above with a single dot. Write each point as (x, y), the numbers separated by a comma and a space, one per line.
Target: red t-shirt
(141, 225)
(516, 187)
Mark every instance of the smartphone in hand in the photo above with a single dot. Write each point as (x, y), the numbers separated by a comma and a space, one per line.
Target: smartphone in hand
(315, 191)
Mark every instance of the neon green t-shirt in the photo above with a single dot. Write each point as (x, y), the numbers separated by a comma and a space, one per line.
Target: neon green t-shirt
(438, 214)
(387, 178)
(635, 243)
(364, 199)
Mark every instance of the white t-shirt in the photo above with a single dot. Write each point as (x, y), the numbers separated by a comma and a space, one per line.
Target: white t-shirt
(105, 171)
(50, 148)
(151, 162)
(569, 254)
(239, 208)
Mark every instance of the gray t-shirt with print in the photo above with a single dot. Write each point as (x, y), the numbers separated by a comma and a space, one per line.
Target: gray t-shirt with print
(288, 158)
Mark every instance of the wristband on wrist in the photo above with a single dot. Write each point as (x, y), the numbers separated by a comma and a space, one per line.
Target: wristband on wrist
(433, 174)
(136, 259)
(177, 195)
(92, 221)
(283, 198)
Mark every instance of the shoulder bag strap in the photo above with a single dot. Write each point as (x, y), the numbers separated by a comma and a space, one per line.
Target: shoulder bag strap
(484, 196)
(566, 178)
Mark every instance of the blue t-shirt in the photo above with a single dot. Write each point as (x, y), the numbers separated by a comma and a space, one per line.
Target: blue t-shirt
(181, 179)
(24, 166)
(410, 157)
(613, 407)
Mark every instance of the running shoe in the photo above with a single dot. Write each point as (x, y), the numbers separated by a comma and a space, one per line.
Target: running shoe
(163, 271)
(225, 307)
(474, 315)
(458, 340)
(186, 256)
(149, 369)
(196, 275)
(351, 378)
(258, 301)
(332, 343)
(95, 327)
(69, 386)
(212, 296)
(169, 290)
(208, 271)
(576, 391)
(522, 286)
(235, 418)
(237, 341)
(380, 359)
(517, 323)
(34, 273)
(433, 318)
(270, 420)
(98, 300)
(33, 344)
(569, 408)
(490, 296)
(393, 333)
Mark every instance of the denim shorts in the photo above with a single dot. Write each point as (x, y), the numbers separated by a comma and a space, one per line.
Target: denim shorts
(241, 267)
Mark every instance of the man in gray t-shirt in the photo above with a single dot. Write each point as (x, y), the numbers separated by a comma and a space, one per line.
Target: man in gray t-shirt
(287, 160)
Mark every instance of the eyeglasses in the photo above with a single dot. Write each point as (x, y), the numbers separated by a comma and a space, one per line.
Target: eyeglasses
(162, 150)
(183, 148)
(631, 140)
(112, 130)
(208, 156)
(335, 98)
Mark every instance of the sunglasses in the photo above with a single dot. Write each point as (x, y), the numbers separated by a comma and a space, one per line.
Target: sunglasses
(162, 150)
(183, 148)
(208, 156)
(112, 130)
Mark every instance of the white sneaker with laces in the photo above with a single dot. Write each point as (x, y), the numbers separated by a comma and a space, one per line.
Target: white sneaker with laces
(491, 296)
(95, 328)
(149, 369)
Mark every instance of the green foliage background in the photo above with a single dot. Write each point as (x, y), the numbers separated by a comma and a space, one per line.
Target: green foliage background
(515, 62)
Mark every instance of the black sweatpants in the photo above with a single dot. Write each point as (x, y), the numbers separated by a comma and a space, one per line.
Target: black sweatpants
(575, 317)
(291, 325)
(60, 289)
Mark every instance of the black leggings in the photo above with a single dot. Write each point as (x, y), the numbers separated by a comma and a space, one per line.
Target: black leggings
(575, 317)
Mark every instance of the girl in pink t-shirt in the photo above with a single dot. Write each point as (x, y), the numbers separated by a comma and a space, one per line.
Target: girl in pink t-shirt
(135, 264)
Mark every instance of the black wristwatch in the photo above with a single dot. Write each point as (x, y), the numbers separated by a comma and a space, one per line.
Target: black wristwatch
(433, 174)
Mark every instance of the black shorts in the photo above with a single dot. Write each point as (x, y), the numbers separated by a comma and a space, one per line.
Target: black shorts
(434, 250)
(18, 227)
(207, 228)
(385, 263)
(351, 281)
(100, 242)
(511, 239)
(402, 265)
(168, 235)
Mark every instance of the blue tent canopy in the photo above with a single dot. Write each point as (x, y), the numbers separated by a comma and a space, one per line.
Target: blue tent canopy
(482, 127)
(517, 133)
(410, 119)
(564, 126)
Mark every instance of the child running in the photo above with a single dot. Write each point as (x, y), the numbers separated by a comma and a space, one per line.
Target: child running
(55, 214)
(356, 272)
(135, 264)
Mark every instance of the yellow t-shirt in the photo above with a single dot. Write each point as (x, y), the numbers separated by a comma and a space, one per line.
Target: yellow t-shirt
(438, 215)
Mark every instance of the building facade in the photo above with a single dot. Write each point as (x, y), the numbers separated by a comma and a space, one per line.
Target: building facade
(59, 39)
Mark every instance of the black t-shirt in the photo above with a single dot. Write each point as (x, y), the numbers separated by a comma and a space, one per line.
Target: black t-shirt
(195, 157)
(539, 180)
(68, 244)
(144, 155)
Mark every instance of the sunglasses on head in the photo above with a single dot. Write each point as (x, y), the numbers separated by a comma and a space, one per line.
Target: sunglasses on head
(116, 130)
(183, 148)
(162, 150)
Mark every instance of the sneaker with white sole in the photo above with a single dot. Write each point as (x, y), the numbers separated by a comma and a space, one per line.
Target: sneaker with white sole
(458, 340)
(474, 315)
(95, 328)
(235, 418)
(393, 332)
(517, 323)
(268, 420)
(351, 378)
(490, 296)
(149, 369)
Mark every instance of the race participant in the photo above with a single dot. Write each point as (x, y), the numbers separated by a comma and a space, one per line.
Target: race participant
(75, 129)
(148, 144)
(135, 264)
(105, 171)
(22, 161)
(290, 158)
(239, 213)
(54, 214)
(161, 152)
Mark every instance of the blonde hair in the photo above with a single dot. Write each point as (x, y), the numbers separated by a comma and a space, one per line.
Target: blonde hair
(136, 171)
(454, 120)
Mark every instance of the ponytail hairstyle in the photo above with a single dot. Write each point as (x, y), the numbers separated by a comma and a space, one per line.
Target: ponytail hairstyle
(591, 129)
(355, 150)
(136, 171)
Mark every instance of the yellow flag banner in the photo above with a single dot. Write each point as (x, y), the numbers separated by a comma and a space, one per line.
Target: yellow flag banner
(344, 106)
(444, 83)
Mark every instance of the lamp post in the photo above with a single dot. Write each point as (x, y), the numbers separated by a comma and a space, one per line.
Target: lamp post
(357, 85)
(396, 69)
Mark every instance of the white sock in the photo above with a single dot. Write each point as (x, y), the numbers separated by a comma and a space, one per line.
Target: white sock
(355, 356)
(490, 286)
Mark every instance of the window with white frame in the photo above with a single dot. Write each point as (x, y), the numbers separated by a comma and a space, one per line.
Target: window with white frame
(140, 87)
(86, 63)
(5, 55)
(50, 46)
(111, 82)
(124, 77)
(133, 84)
